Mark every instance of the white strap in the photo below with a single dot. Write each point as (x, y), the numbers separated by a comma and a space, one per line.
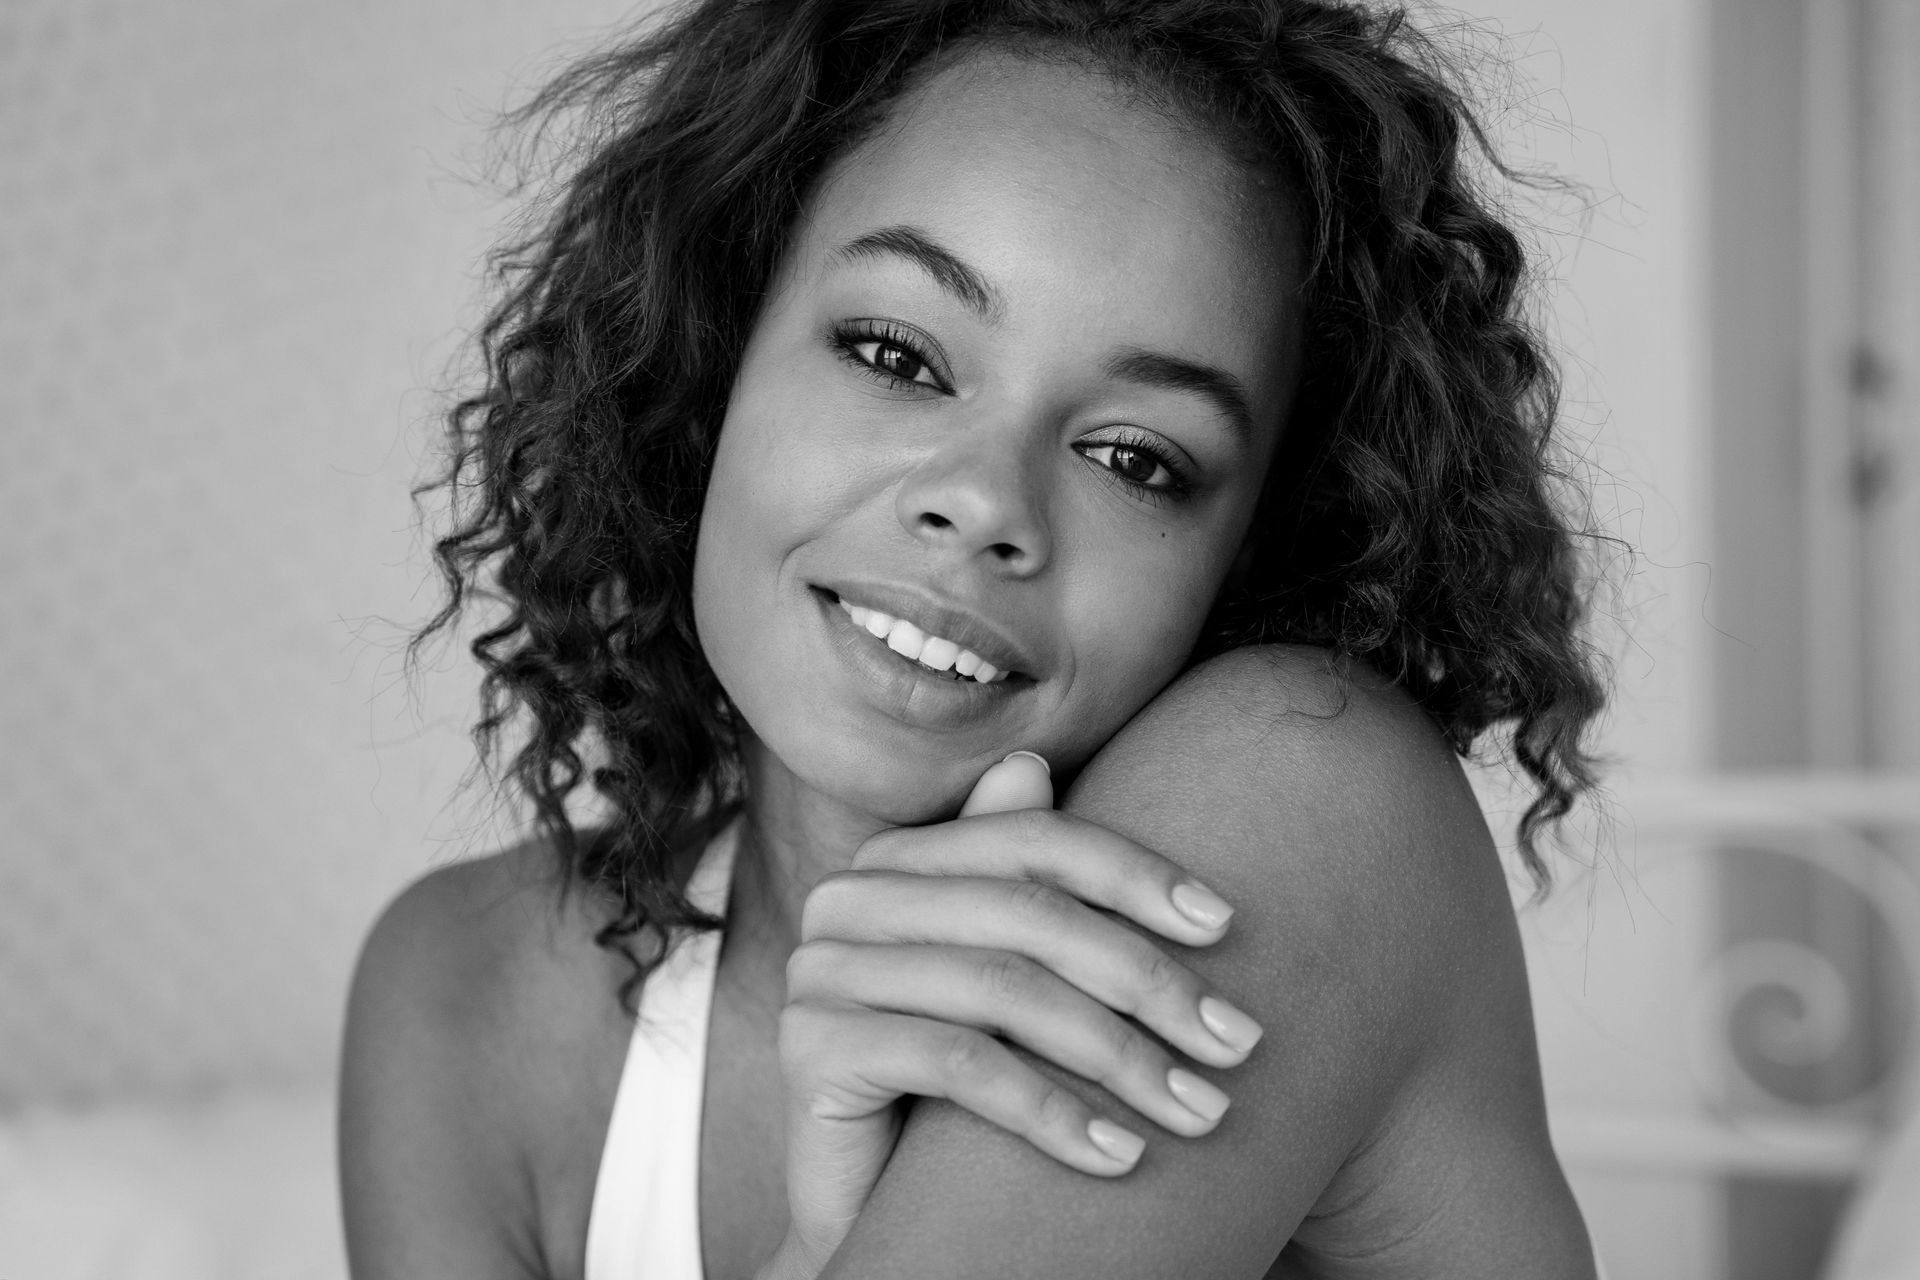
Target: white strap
(645, 1219)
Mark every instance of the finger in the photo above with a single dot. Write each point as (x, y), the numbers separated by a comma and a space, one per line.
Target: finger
(1019, 1000)
(1083, 858)
(899, 1054)
(1118, 967)
(1021, 781)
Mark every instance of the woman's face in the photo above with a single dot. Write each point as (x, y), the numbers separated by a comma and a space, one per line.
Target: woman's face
(1015, 387)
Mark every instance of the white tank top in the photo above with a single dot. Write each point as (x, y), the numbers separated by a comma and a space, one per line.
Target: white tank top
(645, 1219)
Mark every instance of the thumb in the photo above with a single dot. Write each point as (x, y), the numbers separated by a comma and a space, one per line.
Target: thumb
(1021, 781)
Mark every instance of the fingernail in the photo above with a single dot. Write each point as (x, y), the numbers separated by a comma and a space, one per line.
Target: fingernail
(1196, 1095)
(1035, 754)
(1115, 1141)
(1231, 1027)
(1201, 905)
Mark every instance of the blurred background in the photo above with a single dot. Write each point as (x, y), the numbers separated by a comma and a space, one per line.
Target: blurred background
(238, 252)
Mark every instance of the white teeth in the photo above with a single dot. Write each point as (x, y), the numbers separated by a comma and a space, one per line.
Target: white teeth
(911, 642)
(938, 653)
(906, 639)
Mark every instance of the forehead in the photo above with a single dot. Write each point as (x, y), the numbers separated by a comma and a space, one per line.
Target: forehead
(1063, 186)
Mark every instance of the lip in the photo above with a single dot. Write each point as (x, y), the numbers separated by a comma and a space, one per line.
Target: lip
(938, 617)
(904, 690)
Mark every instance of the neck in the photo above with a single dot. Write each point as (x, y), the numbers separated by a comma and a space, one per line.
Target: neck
(792, 838)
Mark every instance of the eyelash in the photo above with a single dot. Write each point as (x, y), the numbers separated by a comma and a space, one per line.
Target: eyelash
(1178, 485)
(849, 338)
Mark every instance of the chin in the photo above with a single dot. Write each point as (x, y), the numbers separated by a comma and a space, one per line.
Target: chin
(863, 777)
(916, 809)
(900, 791)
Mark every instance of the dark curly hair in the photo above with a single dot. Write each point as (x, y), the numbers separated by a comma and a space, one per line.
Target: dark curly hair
(1410, 519)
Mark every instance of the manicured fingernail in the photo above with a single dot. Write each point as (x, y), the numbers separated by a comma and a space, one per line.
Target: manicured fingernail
(1196, 1095)
(1231, 1027)
(1201, 905)
(1115, 1141)
(1035, 754)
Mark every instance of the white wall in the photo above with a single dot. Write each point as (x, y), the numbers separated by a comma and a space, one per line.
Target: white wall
(1621, 108)
(237, 247)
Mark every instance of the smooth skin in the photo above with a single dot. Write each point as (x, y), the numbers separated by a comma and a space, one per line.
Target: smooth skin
(1391, 1121)
(1000, 449)
(894, 990)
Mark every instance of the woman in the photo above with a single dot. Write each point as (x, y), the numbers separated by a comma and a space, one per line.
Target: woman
(895, 387)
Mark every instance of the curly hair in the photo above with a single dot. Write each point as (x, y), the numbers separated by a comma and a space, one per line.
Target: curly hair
(1410, 519)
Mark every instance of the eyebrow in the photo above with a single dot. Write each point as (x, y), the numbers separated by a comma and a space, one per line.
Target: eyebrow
(1227, 393)
(947, 270)
(1171, 373)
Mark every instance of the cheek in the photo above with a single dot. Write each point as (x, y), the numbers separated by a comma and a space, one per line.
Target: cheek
(1136, 619)
(715, 589)
(779, 478)
(791, 453)
(759, 482)
(740, 526)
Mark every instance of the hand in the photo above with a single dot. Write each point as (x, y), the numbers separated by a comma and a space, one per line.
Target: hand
(942, 940)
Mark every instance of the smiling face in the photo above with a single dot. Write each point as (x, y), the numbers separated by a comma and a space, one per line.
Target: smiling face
(1015, 386)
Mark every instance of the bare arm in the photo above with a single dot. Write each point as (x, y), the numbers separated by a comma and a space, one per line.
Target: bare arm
(444, 1090)
(1392, 1117)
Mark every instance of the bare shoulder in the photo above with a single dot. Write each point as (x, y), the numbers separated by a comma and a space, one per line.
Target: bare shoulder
(1323, 789)
(1391, 1121)
(1285, 707)
(1328, 808)
(1375, 926)
(482, 1050)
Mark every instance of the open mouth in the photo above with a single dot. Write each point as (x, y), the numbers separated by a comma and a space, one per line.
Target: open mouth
(934, 655)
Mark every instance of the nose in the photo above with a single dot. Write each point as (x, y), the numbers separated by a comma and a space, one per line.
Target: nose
(979, 497)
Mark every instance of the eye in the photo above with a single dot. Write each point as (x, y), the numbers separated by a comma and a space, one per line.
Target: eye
(892, 358)
(1138, 463)
(889, 354)
(1129, 463)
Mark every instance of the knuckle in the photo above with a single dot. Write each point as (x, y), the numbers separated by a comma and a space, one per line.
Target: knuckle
(1160, 975)
(1131, 1053)
(1038, 904)
(811, 964)
(878, 849)
(1006, 976)
(965, 1056)
(827, 902)
(1034, 829)
(1056, 1110)
(815, 1039)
